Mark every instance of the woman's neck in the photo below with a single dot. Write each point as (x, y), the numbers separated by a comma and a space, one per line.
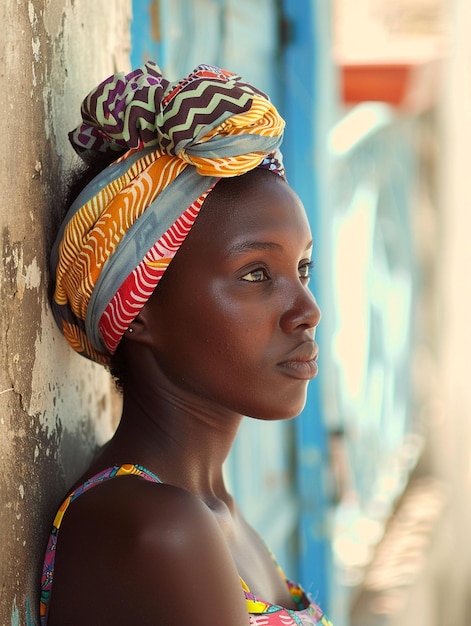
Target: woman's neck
(183, 440)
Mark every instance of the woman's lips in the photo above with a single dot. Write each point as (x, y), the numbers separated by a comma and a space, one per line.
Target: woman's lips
(301, 363)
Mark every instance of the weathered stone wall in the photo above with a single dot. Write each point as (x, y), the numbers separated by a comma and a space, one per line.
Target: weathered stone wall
(54, 405)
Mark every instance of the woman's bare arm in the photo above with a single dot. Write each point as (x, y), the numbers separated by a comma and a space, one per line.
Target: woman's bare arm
(131, 552)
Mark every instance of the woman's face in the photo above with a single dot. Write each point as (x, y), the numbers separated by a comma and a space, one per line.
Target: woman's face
(233, 321)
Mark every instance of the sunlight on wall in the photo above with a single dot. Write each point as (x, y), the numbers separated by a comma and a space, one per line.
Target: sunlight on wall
(390, 30)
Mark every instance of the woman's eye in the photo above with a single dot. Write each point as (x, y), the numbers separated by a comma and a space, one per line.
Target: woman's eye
(305, 270)
(256, 276)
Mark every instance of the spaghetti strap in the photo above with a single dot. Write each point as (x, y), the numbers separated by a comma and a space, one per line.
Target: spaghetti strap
(47, 577)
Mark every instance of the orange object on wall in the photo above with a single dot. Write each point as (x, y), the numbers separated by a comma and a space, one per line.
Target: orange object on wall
(409, 86)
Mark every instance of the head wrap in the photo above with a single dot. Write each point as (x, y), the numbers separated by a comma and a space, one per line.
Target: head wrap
(173, 142)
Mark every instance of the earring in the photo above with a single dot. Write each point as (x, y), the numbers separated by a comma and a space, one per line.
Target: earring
(130, 330)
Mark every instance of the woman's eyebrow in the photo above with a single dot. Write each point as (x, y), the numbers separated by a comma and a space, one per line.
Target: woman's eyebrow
(247, 246)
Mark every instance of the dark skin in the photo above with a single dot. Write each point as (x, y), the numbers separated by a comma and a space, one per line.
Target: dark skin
(228, 332)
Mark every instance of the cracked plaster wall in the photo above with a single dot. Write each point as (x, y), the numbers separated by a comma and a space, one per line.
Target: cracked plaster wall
(55, 407)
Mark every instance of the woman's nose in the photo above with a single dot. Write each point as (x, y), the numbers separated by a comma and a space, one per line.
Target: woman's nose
(303, 312)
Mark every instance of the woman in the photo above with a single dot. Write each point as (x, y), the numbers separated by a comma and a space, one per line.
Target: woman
(184, 267)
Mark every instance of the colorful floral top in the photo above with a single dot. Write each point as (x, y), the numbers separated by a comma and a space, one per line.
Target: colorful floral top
(261, 613)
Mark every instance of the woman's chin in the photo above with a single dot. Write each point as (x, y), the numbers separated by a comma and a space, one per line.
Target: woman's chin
(283, 411)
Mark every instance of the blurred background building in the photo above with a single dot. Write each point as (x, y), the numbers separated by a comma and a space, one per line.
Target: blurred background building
(364, 498)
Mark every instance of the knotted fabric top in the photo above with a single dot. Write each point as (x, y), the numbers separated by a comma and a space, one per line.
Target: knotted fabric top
(173, 142)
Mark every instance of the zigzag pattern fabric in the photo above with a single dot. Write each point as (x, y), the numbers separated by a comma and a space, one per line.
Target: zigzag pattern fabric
(173, 141)
(185, 119)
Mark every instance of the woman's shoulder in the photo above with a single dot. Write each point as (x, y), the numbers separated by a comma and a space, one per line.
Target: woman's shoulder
(131, 492)
(138, 516)
(131, 549)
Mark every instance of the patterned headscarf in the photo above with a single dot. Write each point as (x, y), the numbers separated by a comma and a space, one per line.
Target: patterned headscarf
(173, 142)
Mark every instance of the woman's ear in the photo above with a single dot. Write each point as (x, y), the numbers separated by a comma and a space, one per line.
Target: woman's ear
(141, 329)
